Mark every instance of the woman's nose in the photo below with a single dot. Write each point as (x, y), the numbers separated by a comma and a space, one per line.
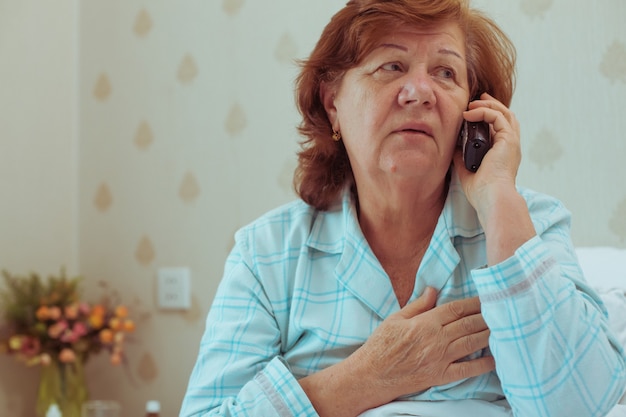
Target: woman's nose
(417, 89)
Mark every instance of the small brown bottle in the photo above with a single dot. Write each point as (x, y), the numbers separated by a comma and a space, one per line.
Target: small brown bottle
(153, 408)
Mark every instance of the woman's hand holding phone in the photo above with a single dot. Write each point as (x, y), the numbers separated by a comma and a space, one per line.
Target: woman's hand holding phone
(491, 190)
(500, 164)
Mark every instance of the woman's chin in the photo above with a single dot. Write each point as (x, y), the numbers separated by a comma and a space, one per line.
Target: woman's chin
(418, 167)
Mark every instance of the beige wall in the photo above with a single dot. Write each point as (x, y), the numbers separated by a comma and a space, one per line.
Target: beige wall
(38, 156)
(137, 135)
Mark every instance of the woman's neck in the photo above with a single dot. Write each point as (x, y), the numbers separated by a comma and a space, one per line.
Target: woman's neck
(399, 226)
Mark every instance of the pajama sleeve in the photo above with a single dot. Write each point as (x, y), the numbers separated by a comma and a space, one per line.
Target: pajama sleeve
(239, 370)
(555, 354)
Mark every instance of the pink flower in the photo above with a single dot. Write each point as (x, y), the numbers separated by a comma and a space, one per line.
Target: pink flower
(57, 329)
(55, 325)
(80, 329)
(84, 308)
(31, 346)
(68, 336)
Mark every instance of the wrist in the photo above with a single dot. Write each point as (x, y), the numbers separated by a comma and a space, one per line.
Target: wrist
(506, 221)
(345, 389)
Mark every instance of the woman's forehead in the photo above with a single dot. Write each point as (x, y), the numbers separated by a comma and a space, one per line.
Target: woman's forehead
(447, 37)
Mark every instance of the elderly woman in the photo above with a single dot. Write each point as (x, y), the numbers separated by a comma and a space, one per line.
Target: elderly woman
(401, 279)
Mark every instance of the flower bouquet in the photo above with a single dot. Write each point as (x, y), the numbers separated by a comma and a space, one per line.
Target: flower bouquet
(47, 324)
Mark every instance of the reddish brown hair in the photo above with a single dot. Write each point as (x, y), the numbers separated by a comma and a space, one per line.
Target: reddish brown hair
(353, 32)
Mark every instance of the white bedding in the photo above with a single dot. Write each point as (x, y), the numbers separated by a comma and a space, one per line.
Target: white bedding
(605, 270)
(470, 408)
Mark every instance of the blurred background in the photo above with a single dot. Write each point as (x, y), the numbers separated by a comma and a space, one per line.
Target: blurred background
(139, 135)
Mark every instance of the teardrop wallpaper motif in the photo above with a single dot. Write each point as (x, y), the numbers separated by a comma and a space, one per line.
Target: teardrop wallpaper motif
(613, 65)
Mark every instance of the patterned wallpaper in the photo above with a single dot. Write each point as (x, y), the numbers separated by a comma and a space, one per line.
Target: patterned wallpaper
(186, 131)
(570, 100)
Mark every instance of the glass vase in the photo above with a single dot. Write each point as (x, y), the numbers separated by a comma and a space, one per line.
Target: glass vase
(62, 384)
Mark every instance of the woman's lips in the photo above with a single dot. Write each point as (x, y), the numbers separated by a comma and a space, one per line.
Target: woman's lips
(415, 128)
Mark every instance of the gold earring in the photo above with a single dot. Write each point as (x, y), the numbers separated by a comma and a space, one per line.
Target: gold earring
(336, 135)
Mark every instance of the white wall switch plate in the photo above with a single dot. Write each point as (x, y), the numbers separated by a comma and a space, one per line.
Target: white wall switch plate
(174, 288)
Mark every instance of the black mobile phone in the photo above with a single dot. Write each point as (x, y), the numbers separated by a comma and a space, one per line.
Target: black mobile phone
(475, 140)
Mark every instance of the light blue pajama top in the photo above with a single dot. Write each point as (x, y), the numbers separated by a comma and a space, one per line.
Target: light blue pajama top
(302, 290)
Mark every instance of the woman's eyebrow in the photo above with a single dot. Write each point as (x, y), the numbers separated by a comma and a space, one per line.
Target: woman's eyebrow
(393, 45)
(452, 52)
(443, 51)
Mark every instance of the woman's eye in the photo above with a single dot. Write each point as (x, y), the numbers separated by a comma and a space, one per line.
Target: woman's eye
(392, 66)
(446, 73)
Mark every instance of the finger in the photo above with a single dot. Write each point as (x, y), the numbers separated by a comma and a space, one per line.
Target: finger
(495, 118)
(455, 310)
(425, 302)
(486, 100)
(465, 326)
(471, 368)
(467, 345)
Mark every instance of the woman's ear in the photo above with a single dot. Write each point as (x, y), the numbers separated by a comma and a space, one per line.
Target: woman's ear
(327, 96)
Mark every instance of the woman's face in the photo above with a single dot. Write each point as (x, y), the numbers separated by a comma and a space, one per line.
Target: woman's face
(400, 110)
